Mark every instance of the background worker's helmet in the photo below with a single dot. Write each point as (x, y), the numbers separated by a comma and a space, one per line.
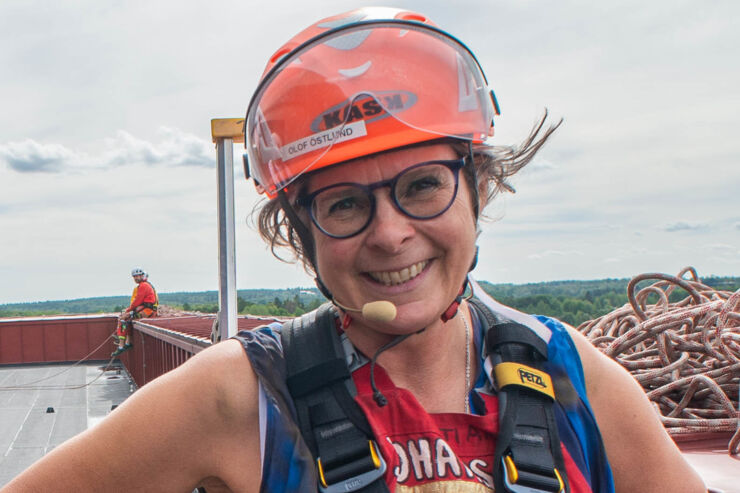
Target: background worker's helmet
(136, 271)
(358, 83)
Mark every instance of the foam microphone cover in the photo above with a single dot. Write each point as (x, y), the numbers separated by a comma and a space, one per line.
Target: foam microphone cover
(379, 311)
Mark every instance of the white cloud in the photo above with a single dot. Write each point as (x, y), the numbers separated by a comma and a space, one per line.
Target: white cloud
(541, 164)
(722, 247)
(555, 253)
(29, 156)
(684, 226)
(645, 159)
(175, 148)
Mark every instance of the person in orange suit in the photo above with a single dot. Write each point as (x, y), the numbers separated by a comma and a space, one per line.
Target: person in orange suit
(143, 305)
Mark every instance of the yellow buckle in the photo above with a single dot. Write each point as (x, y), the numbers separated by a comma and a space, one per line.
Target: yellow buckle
(373, 455)
(560, 480)
(511, 471)
(512, 474)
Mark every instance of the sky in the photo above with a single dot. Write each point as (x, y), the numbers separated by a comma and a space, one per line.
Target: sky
(106, 159)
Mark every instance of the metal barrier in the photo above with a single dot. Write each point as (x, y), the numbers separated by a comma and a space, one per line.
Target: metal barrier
(157, 351)
(56, 339)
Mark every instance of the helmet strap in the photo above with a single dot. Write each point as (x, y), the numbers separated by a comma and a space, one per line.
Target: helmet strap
(300, 228)
(322, 287)
(474, 191)
(304, 235)
(452, 309)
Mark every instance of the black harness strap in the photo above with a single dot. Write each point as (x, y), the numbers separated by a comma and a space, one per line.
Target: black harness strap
(528, 455)
(332, 424)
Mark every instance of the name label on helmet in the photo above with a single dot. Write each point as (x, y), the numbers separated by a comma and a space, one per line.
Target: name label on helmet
(326, 138)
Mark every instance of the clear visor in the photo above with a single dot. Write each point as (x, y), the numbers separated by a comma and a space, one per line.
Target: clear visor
(360, 90)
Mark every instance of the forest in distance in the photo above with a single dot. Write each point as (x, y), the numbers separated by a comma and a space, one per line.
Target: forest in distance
(573, 302)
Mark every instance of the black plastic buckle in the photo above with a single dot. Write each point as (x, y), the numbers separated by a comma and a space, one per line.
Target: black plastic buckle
(521, 481)
(355, 481)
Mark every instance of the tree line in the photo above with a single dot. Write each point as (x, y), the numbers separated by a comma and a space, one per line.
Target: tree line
(573, 302)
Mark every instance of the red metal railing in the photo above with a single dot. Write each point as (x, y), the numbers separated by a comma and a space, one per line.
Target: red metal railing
(160, 344)
(157, 350)
(75, 337)
(55, 339)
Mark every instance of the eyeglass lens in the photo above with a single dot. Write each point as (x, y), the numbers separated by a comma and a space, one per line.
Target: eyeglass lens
(421, 192)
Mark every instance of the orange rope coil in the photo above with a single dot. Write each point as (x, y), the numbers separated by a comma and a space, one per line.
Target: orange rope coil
(685, 354)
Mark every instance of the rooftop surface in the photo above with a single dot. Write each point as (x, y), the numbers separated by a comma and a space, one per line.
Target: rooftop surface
(43, 405)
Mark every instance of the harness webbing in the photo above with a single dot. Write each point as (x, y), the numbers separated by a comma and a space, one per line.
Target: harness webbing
(152, 306)
(331, 423)
(527, 456)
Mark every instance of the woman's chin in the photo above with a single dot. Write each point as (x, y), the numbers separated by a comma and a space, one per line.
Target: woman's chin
(409, 319)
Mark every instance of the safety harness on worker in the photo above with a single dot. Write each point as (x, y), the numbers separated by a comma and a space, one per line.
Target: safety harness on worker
(527, 459)
(152, 306)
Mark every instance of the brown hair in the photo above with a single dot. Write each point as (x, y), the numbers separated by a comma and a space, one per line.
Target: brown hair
(493, 165)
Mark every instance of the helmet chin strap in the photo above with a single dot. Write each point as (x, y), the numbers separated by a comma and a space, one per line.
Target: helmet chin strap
(301, 229)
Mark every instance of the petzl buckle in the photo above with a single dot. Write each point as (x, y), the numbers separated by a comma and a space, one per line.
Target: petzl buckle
(521, 481)
(346, 478)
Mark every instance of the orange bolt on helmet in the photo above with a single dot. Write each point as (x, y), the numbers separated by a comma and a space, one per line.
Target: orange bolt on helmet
(358, 83)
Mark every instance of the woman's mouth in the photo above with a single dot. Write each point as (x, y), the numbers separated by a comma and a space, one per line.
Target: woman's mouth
(392, 278)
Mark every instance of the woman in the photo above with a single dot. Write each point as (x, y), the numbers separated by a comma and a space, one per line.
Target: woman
(368, 135)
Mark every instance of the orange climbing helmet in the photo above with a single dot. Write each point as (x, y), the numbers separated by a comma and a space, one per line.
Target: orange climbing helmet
(358, 83)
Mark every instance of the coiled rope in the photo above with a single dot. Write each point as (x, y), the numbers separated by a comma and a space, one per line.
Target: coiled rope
(685, 354)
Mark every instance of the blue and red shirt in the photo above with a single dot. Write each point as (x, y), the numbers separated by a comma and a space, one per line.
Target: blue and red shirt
(425, 451)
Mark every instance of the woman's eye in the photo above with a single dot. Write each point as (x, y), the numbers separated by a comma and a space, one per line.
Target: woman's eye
(421, 185)
(342, 205)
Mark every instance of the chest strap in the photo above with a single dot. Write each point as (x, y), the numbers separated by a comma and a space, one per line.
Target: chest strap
(331, 422)
(147, 304)
(528, 458)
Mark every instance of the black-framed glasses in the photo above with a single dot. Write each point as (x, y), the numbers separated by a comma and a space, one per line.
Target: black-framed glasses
(423, 191)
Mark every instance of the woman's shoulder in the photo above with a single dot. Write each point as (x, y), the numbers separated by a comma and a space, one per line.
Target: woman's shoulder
(225, 374)
(263, 348)
(571, 350)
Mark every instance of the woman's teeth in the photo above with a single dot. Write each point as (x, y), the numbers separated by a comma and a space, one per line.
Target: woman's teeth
(400, 276)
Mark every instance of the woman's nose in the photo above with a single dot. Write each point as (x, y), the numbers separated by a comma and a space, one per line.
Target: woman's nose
(390, 228)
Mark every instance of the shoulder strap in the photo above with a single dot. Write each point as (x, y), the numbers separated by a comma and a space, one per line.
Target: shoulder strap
(527, 457)
(156, 296)
(331, 423)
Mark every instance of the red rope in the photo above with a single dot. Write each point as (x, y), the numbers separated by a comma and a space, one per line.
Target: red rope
(686, 354)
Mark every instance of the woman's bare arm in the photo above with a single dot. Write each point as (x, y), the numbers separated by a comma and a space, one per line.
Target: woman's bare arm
(198, 421)
(642, 455)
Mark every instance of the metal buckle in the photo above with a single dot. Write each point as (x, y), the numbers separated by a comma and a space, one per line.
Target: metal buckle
(355, 482)
(511, 477)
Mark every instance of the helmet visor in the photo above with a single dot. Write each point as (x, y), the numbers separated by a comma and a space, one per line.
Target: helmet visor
(363, 89)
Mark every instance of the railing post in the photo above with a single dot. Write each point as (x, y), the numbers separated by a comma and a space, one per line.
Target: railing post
(225, 132)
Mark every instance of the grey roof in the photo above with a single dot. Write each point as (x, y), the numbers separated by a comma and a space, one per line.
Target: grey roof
(79, 396)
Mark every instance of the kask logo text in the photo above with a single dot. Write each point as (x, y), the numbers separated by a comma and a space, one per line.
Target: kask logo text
(368, 107)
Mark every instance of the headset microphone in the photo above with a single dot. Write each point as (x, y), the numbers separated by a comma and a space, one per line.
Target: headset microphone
(378, 311)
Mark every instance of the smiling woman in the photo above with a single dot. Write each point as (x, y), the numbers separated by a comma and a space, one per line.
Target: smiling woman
(411, 379)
